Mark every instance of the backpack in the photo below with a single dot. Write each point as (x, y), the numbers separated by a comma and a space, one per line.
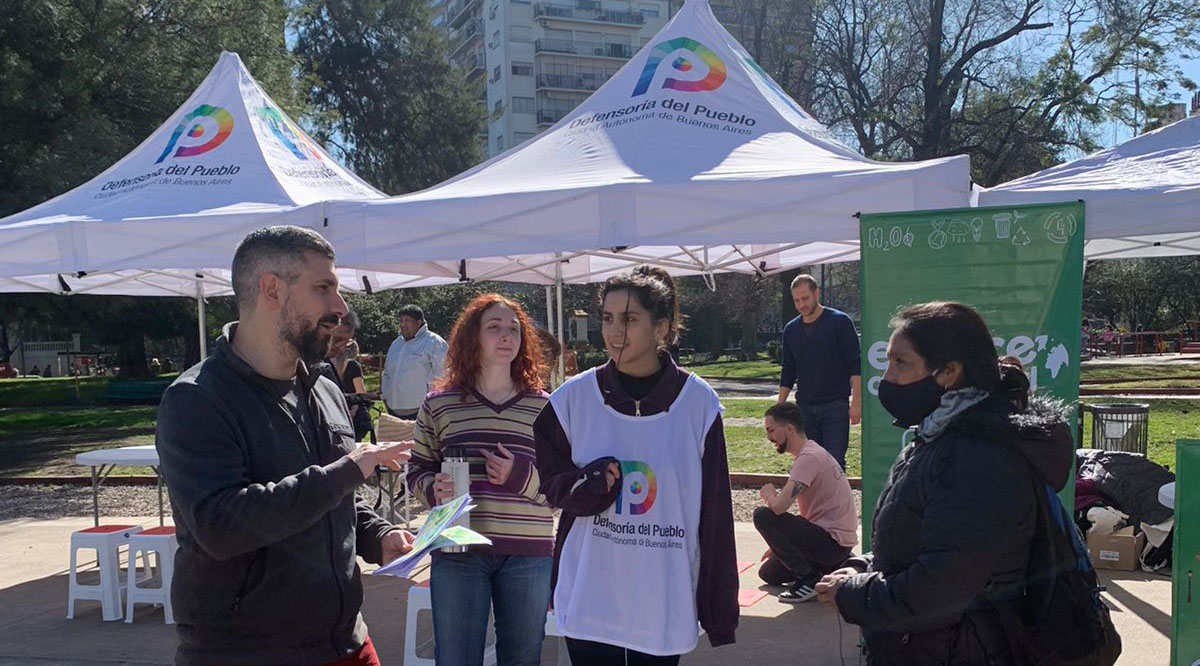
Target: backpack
(1065, 622)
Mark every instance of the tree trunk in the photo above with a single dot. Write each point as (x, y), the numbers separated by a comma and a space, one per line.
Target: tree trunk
(716, 337)
(751, 316)
(131, 357)
(5, 351)
(931, 130)
(191, 349)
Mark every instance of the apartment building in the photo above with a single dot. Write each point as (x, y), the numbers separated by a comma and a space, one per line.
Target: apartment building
(533, 62)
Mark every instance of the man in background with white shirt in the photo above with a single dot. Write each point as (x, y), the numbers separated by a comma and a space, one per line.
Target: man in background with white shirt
(414, 360)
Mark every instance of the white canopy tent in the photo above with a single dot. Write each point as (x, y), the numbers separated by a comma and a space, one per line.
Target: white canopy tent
(166, 218)
(688, 149)
(1141, 198)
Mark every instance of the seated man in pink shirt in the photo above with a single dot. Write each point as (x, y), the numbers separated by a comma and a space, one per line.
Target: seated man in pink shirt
(803, 547)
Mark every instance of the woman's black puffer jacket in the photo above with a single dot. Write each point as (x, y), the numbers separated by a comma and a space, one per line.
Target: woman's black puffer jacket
(952, 529)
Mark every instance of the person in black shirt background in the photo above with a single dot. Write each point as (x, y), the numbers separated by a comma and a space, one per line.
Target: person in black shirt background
(820, 358)
(343, 368)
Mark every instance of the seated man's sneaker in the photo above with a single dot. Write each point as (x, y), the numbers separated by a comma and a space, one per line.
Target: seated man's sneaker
(799, 591)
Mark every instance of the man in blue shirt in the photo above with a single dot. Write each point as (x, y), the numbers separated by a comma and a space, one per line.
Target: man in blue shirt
(821, 360)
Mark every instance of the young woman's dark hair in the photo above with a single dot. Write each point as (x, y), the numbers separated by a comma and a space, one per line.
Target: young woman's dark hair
(944, 331)
(655, 291)
(1014, 383)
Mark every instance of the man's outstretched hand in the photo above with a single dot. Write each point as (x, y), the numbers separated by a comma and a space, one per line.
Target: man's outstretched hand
(396, 543)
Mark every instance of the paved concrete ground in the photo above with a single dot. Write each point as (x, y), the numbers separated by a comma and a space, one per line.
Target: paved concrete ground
(33, 593)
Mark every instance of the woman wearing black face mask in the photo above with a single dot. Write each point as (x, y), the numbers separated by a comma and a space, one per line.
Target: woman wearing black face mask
(954, 523)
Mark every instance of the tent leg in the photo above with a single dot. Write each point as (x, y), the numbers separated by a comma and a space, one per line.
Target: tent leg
(200, 320)
(562, 374)
(554, 380)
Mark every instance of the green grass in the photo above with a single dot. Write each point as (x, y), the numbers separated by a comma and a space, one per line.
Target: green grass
(52, 391)
(749, 451)
(757, 369)
(746, 409)
(1148, 383)
(14, 421)
(56, 391)
(1092, 371)
(1169, 420)
(44, 441)
(1167, 375)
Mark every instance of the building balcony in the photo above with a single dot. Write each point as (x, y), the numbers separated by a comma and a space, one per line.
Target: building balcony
(472, 64)
(551, 116)
(584, 11)
(585, 82)
(459, 11)
(466, 35)
(590, 49)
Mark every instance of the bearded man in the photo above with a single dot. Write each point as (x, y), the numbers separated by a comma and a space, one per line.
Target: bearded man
(259, 457)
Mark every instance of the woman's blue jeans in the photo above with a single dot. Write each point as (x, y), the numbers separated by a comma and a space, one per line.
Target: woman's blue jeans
(465, 586)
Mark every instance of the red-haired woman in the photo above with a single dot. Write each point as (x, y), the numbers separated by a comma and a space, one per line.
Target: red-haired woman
(483, 410)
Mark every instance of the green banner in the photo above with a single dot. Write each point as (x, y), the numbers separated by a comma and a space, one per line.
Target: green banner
(1020, 266)
(1185, 571)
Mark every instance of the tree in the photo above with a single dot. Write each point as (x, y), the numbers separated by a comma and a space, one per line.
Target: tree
(1159, 294)
(779, 34)
(733, 313)
(1013, 84)
(384, 93)
(83, 83)
(380, 323)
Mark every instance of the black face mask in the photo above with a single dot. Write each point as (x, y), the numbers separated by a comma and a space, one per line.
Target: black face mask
(910, 403)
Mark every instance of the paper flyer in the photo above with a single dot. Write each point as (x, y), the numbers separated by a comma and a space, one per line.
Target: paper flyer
(437, 531)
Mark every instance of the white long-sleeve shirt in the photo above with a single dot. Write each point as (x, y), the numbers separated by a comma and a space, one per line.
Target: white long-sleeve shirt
(410, 369)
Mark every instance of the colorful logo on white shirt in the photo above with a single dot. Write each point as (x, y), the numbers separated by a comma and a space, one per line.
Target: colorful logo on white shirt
(638, 488)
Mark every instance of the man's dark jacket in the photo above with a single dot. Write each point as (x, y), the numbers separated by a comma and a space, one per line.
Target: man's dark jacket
(951, 538)
(267, 522)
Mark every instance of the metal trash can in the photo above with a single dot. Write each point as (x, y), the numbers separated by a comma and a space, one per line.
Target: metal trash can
(1121, 426)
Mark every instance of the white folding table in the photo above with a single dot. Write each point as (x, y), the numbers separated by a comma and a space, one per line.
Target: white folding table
(102, 462)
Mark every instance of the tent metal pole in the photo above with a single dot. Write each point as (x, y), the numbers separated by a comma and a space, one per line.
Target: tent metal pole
(550, 326)
(200, 320)
(558, 286)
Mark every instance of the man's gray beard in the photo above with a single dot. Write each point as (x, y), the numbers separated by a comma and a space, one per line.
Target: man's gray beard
(310, 343)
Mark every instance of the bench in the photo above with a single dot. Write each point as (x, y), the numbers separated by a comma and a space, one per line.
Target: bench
(136, 390)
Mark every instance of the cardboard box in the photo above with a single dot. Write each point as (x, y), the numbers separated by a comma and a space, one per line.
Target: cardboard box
(1118, 551)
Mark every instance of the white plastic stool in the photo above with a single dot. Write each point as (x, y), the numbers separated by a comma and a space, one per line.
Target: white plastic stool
(106, 540)
(160, 541)
(419, 599)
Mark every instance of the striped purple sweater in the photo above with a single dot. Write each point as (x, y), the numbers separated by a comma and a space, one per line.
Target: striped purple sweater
(514, 515)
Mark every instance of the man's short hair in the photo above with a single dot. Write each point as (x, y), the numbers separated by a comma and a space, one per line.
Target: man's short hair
(805, 278)
(411, 310)
(279, 250)
(787, 412)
